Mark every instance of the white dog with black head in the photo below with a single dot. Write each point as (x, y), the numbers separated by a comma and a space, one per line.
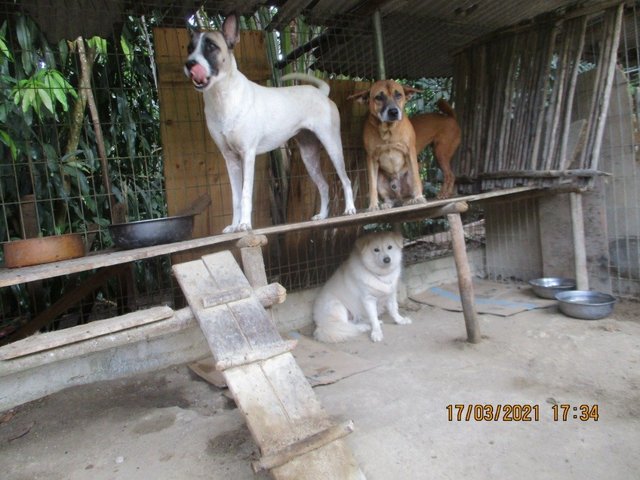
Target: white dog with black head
(246, 119)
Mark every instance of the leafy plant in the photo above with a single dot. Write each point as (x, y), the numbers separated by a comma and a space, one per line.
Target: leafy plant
(46, 88)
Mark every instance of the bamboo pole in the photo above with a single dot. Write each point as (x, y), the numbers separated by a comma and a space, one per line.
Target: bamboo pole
(95, 117)
(580, 26)
(377, 32)
(610, 69)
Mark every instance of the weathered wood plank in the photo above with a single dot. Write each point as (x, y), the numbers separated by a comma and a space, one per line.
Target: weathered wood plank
(277, 401)
(306, 445)
(235, 328)
(282, 412)
(80, 333)
(15, 276)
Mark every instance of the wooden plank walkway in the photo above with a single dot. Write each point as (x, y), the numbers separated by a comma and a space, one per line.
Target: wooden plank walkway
(297, 440)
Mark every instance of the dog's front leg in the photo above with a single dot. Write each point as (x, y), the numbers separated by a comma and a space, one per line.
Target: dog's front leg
(248, 171)
(234, 169)
(415, 179)
(370, 304)
(392, 308)
(373, 183)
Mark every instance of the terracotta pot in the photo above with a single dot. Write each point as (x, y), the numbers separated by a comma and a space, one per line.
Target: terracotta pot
(34, 251)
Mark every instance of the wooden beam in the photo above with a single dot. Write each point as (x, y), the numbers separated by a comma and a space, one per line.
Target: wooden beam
(106, 258)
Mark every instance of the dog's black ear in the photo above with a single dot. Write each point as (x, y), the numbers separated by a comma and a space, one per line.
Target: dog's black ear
(231, 30)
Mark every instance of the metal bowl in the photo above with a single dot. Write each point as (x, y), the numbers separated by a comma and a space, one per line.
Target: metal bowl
(587, 305)
(547, 287)
(146, 233)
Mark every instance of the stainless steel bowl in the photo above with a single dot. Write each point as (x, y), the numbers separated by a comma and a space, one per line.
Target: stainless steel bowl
(587, 305)
(547, 287)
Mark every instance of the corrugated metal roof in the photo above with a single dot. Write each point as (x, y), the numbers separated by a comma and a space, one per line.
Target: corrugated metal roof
(419, 37)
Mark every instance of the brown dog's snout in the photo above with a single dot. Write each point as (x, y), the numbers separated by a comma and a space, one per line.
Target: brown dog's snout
(393, 113)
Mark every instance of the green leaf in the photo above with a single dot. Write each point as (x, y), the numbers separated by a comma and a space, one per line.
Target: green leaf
(25, 39)
(8, 141)
(126, 49)
(5, 50)
(46, 100)
(29, 99)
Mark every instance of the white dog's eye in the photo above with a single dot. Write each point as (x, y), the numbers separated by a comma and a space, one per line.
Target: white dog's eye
(376, 249)
(389, 247)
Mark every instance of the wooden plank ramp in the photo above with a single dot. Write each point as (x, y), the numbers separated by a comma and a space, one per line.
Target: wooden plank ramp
(296, 437)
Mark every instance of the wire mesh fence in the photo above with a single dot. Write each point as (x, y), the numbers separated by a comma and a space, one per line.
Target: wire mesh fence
(95, 131)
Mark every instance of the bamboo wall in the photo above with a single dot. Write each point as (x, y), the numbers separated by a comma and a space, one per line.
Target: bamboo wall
(514, 95)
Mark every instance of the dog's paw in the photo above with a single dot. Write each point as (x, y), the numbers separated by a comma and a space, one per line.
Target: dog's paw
(443, 195)
(403, 320)
(350, 211)
(416, 201)
(387, 205)
(363, 327)
(376, 335)
(229, 229)
(373, 208)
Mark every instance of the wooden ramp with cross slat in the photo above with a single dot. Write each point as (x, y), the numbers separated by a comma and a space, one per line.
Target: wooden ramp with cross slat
(297, 440)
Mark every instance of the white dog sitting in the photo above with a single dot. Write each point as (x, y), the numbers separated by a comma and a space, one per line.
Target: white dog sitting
(365, 283)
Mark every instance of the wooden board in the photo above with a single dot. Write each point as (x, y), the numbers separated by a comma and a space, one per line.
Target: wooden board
(279, 406)
(231, 329)
(48, 341)
(15, 276)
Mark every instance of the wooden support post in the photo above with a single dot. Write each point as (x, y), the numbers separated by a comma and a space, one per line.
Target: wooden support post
(580, 250)
(252, 260)
(465, 283)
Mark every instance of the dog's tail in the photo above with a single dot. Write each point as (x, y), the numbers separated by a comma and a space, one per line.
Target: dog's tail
(445, 108)
(334, 330)
(316, 82)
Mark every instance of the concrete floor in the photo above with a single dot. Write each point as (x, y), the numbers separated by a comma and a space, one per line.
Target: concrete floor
(173, 425)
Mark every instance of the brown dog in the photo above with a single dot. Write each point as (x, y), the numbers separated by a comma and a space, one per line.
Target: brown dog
(389, 139)
(442, 132)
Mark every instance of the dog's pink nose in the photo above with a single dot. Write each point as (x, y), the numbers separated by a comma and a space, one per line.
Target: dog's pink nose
(198, 73)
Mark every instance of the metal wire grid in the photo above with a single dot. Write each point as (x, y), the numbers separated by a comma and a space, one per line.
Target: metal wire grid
(315, 257)
(621, 158)
(29, 174)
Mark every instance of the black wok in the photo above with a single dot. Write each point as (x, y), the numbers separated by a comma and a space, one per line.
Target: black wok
(156, 231)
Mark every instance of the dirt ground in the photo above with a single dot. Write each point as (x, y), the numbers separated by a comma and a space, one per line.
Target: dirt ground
(173, 425)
